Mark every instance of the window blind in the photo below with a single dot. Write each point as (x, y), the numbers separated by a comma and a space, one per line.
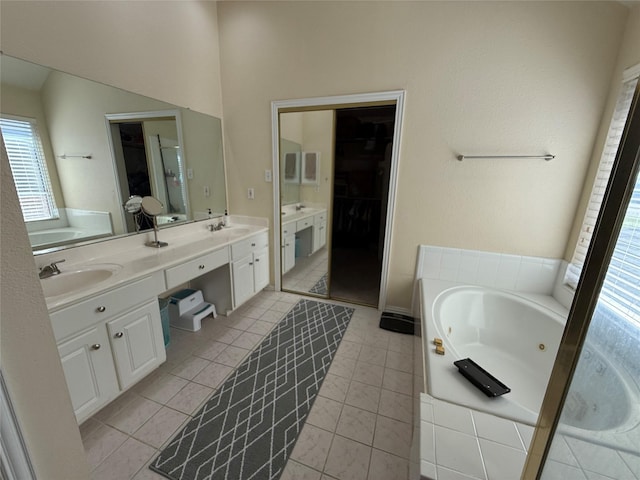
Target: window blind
(612, 143)
(621, 287)
(29, 169)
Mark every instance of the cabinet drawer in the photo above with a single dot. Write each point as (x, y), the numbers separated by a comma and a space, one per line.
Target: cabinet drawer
(319, 218)
(288, 229)
(304, 223)
(244, 247)
(101, 307)
(196, 267)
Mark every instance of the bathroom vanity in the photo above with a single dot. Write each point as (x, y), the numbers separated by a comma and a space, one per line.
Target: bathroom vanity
(309, 225)
(104, 304)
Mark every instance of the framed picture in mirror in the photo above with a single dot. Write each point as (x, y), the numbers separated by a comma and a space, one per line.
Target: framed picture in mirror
(292, 167)
(310, 168)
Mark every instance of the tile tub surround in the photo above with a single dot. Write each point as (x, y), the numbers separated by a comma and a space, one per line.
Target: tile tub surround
(457, 442)
(460, 443)
(356, 429)
(501, 271)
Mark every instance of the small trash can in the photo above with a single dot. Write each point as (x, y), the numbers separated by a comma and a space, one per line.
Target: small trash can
(164, 316)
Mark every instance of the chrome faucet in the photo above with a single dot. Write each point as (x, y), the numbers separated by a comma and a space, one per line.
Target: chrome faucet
(214, 227)
(299, 207)
(50, 270)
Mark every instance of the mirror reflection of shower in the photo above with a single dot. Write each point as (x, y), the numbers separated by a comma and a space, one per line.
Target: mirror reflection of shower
(150, 162)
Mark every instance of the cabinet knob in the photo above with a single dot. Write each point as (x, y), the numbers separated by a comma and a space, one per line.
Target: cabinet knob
(257, 259)
(201, 267)
(119, 335)
(95, 346)
(101, 308)
(253, 244)
(250, 263)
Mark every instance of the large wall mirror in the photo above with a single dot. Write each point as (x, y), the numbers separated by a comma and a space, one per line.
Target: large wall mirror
(306, 171)
(79, 149)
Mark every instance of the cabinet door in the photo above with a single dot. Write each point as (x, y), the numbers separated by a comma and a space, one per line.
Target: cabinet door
(137, 343)
(242, 280)
(88, 368)
(321, 235)
(260, 269)
(289, 253)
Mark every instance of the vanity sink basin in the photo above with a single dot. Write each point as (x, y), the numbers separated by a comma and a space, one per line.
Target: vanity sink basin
(80, 278)
(237, 231)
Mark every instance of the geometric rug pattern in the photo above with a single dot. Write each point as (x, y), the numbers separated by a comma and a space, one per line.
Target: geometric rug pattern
(249, 427)
(320, 287)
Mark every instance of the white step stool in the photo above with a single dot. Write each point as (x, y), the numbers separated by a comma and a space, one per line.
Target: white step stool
(187, 308)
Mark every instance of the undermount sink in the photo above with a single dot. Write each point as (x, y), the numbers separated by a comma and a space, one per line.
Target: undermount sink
(69, 280)
(233, 231)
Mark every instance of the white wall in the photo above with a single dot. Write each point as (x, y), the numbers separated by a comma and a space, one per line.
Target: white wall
(629, 55)
(481, 78)
(318, 137)
(165, 50)
(28, 354)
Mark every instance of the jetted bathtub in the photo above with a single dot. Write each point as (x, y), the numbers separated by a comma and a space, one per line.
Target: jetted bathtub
(513, 336)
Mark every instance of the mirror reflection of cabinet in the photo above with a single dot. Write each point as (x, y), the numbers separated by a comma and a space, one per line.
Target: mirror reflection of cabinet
(310, 168)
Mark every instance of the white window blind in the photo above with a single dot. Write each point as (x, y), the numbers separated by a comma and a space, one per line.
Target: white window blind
(29, 169)
(612, 143)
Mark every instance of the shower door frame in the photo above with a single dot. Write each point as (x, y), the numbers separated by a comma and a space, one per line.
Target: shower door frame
(332, 103)
(605, 236)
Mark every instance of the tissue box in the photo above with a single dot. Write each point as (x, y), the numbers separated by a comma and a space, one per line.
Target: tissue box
(187, 308)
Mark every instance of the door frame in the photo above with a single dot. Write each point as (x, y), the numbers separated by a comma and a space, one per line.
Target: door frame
(114, 118)
(337, 102)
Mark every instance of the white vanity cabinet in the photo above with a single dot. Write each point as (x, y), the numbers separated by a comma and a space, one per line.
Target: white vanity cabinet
(288, 246)
(88, 368)
(137, 343)
(109, 342)
(250, 267)
(319, 231)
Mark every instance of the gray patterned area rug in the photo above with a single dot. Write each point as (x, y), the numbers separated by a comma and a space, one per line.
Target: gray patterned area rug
(321, 286)
(248, 428)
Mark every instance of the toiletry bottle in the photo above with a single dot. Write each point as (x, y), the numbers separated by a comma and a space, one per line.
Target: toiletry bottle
(225, 219)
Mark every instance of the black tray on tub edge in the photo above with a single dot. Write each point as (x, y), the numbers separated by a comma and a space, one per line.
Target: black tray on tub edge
(480, 378)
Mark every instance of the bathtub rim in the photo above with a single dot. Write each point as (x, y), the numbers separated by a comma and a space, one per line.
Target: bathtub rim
(464, 393)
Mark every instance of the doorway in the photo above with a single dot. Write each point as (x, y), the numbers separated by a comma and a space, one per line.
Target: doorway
(366, 178)
(362, 161)
(148, 161)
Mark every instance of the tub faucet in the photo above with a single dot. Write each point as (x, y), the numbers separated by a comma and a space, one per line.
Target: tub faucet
(50, 270)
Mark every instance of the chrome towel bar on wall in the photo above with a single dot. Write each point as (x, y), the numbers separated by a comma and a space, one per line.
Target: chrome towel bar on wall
(546, 157)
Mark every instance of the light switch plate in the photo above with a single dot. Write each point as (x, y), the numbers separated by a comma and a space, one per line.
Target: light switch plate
(267, 176)
(250, 194)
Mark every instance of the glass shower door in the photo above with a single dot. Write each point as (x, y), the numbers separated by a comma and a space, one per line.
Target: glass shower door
(598, 432)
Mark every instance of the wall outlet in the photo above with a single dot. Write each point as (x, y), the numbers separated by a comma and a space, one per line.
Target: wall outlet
(267, 176)
(207, 192)
(190, 173)
(250, 194)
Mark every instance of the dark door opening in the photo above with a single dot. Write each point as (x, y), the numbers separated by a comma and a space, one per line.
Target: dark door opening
(363, 145)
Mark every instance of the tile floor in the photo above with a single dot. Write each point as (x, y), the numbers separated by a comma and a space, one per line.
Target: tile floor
(307, 271)
(358, 429)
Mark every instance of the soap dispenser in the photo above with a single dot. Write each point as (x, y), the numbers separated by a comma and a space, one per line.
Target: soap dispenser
(225, 218)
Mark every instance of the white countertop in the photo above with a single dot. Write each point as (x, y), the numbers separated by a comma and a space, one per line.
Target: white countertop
(137, 260)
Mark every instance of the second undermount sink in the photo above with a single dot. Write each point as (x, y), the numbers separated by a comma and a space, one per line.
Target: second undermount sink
(79, 278)
(233, 231)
